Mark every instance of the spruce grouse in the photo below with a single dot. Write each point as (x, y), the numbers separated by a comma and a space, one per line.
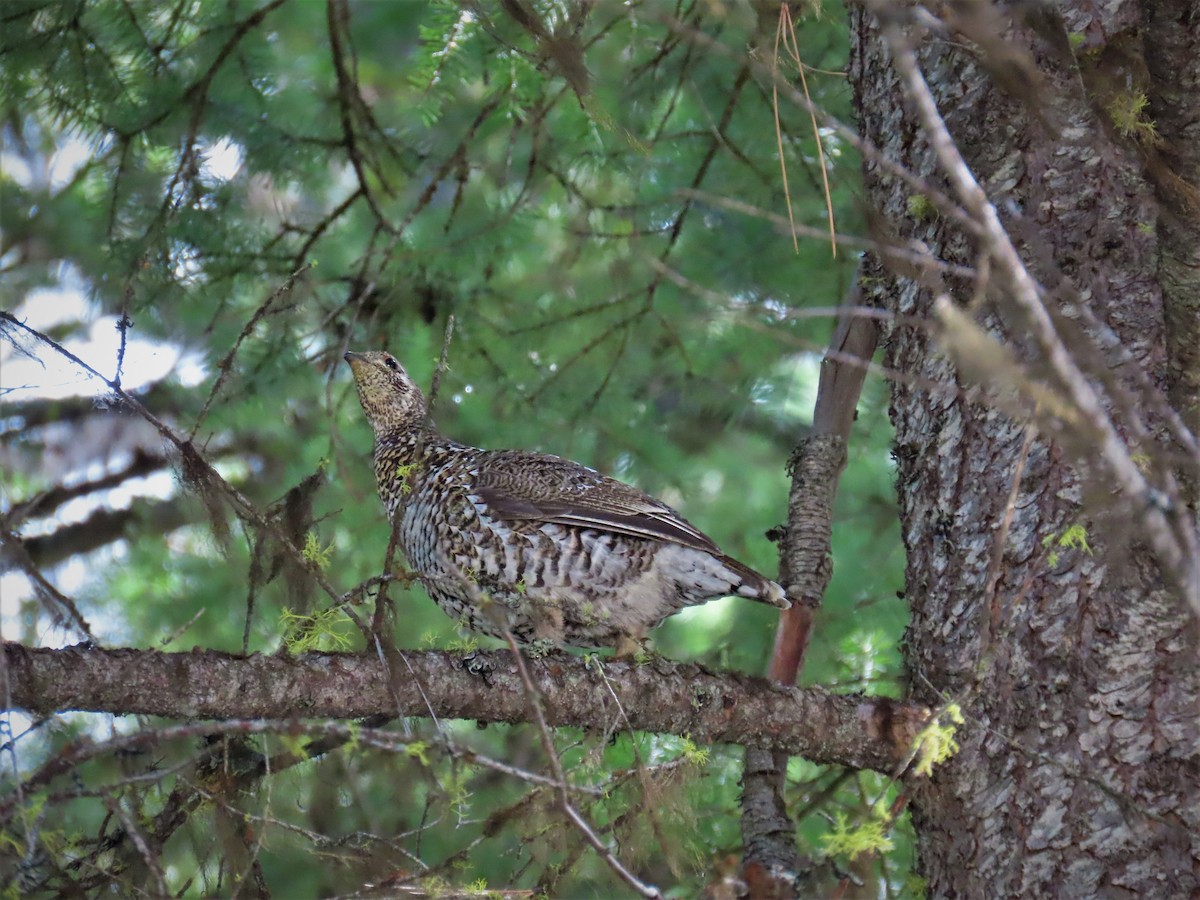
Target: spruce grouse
(546, 547)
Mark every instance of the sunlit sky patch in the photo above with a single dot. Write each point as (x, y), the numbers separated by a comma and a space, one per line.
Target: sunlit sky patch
(51, 376)
(222, 161)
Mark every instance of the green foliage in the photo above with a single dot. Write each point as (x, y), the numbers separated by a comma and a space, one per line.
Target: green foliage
(854, 839)
(404, 471)
(916, 886)
(465, 643)
(697, 756)
(329, 629)
(418, 750)
(316, 554)
(920, 207)
(294, 745)
(215, 163)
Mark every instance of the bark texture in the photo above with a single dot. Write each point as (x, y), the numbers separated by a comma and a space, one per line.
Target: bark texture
(1172, 37)
(850, 730)
(1079, 768)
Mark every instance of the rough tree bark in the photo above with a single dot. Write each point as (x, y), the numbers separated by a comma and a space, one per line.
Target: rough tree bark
(1079, 772)
(844, 729)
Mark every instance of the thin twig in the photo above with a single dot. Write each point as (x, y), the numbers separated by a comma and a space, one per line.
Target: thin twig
(17, 551)
(944, 205)
(787, 188)
(225, 366)
(789, 30)
(535, 704)
(914, 255)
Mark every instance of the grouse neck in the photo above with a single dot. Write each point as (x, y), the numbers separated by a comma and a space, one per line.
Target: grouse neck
(404, 439)
(411, 444)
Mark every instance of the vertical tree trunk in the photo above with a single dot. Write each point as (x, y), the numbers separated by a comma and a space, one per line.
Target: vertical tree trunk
(1079, 768)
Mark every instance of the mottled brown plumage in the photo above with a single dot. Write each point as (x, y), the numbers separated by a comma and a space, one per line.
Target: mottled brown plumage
(537, 544)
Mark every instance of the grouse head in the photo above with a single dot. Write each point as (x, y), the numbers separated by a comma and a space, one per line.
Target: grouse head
(389, 397)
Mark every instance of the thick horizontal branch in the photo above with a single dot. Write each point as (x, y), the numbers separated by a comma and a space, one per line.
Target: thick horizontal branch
(659, 696)
(101, 528)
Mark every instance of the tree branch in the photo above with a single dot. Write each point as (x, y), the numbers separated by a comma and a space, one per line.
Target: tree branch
(46, 502)
(660, 696)
(100, 529)
(771, 864)
(20, 418)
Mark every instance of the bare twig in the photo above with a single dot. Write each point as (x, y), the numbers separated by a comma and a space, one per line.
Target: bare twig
(226, 364)
(560, 778)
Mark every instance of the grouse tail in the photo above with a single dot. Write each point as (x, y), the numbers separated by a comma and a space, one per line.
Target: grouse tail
(755, 586)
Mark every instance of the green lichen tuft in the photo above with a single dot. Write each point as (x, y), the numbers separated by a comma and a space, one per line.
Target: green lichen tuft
(314, 553)
(463, 644)
(697, 756)
(404, 472)
(327, 630)
(1073, 538)
(853, 840)
(936, 744)
(920, 208)
(1127, 112)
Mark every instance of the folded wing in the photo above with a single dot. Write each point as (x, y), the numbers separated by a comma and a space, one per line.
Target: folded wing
(515, 484)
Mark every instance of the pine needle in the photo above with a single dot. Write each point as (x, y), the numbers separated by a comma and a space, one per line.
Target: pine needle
(786, 29)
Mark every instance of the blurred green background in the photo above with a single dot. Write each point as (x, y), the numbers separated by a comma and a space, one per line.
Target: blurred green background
(176, 163)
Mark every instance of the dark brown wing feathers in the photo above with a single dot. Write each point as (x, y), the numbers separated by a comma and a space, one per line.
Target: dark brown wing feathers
(521, 485)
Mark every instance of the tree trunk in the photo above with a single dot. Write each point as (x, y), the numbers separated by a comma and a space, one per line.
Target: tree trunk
(1079, 767)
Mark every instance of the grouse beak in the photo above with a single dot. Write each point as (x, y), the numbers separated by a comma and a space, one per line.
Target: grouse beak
(357, 363)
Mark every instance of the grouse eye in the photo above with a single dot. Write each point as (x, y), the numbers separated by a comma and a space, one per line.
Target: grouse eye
(391, 363)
